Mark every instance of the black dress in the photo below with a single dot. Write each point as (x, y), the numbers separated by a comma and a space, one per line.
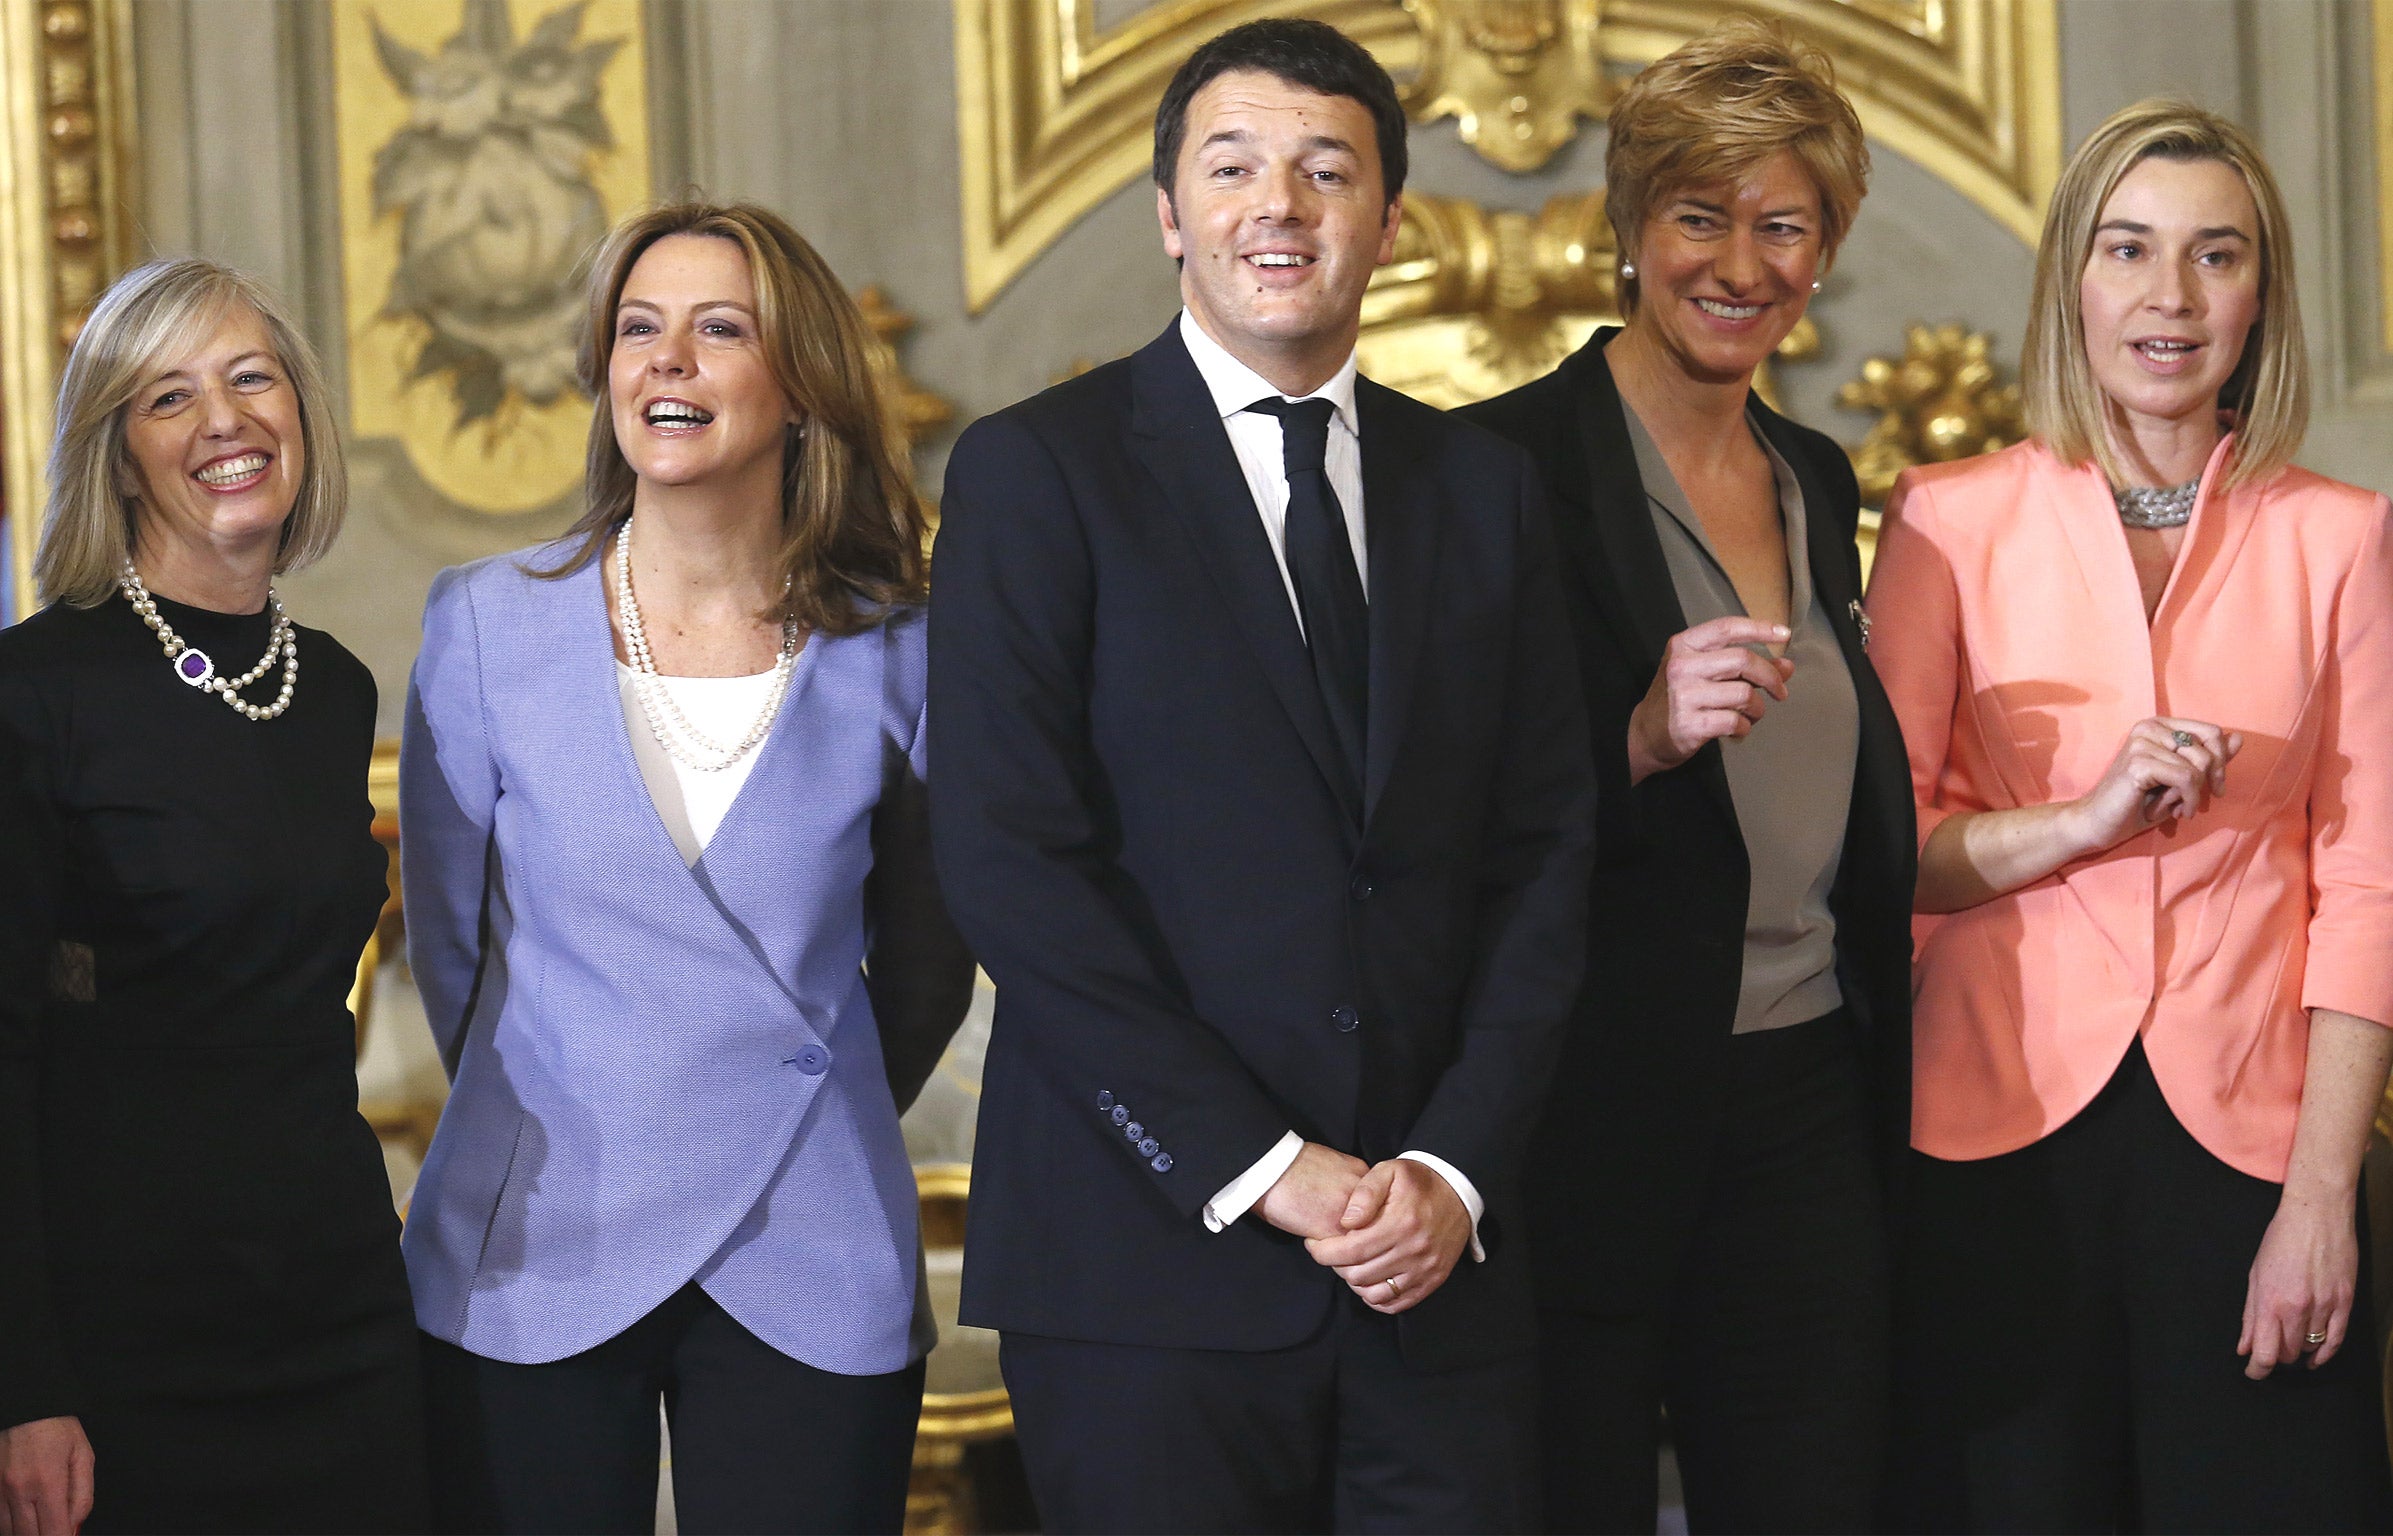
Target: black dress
(198, 1255)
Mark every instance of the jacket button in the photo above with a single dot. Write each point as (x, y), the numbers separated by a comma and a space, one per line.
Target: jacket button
(1121, 1114)
(1105, 1098)
(1134, 1130)
(1162, 1162)
(1149, 1147)
(1345, 1018)
(812, 1060)
(1361, 888)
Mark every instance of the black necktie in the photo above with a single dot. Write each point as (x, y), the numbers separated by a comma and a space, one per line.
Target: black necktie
(1329, 592)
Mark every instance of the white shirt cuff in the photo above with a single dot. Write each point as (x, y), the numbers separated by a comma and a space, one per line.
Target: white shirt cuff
(1462, 1187)
(1239, 1195)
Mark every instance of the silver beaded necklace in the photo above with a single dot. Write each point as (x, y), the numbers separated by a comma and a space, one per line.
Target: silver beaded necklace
(2145, 506)
(682, 741)
(194, 666)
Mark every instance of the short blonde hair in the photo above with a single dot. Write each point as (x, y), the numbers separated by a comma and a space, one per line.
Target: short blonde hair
(148, 317)
(852, 527)
(1715, 109)
(2269, 391)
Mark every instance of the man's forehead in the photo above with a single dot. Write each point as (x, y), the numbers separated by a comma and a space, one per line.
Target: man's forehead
(1261, 97)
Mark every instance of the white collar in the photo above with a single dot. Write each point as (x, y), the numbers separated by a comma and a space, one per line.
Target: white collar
(1235, 386)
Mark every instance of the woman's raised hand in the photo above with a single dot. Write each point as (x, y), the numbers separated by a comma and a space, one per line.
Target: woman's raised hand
(45, 1478)
(2166, 768)
(1710, 684)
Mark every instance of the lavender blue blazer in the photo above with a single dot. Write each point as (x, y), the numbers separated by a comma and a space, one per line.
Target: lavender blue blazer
(661, 1072)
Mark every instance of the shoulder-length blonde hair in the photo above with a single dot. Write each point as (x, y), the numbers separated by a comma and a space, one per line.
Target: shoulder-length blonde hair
(2269, 391)
(148, 318)
(851, 526)
(1712, 111)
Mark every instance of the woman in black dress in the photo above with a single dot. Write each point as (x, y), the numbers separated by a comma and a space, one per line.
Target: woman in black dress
(204, 1324)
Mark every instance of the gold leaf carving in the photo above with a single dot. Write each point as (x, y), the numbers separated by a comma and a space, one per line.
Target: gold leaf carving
(1478, 302)
(1944, 399)
(1054, 115)
(1516, 74)
(918, 410)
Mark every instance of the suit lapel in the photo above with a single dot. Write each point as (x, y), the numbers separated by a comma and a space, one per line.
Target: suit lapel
(1177, 434)
(1400, 522)
(1634, 572)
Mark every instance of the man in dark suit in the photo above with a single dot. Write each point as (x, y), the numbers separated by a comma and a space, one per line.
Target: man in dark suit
(1263, 792)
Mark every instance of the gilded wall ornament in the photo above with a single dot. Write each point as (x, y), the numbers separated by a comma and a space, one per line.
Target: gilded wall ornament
(1944, 399)
(1477, 302)
(1054, 113)
(919, 412)
(1517, 75)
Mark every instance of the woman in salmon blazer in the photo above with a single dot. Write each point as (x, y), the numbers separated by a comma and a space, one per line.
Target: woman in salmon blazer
(2144, 667)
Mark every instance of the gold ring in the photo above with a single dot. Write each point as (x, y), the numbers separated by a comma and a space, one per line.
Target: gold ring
(2314, 1339)
(2181, 739)
(1395, 1287)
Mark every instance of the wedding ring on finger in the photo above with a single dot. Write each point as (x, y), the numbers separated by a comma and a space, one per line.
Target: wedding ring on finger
(2314, 1340)
(1396, 1287)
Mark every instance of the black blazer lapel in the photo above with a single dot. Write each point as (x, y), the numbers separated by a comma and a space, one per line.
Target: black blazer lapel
(1177, 434)
(1400, 523)
(1636, 579)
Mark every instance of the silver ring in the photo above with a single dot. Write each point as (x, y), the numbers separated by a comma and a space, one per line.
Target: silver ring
(2181, 739)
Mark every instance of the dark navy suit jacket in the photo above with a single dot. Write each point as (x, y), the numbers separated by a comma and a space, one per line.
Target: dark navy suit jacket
(1199, 941)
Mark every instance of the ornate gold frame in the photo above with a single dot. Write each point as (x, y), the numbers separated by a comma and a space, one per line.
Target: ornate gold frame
(1053, 116)
(66, 105)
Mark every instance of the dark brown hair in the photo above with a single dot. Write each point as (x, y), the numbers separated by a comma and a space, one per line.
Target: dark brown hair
(852, 527)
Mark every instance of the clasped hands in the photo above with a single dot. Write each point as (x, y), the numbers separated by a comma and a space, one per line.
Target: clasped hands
(1393, 1232)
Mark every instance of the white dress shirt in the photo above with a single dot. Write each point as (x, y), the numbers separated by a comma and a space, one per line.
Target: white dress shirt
(1255, 437)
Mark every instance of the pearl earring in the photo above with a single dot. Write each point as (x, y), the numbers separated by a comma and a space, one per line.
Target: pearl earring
(1815, 285)
(1628, 270)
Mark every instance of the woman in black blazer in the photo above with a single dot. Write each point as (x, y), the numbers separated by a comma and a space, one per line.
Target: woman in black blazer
(1707, 1192)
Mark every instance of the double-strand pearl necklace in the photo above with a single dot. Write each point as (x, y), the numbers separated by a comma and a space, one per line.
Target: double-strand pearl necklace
(194, 666)
(2144, 506)
(682, 741)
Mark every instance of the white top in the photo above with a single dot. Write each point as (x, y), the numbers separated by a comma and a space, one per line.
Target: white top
(692, 803)
(1255, 437)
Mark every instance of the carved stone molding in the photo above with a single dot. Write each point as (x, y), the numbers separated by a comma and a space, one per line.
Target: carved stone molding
(1518, 75)
(1055, 115)
(1944, 399)
(66, 92)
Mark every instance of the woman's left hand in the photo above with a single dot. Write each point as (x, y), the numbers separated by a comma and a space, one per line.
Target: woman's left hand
(2302, 1284)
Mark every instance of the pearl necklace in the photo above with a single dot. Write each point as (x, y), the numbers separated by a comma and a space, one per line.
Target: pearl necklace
(194, 666)
(2144, 506)
(682, 741)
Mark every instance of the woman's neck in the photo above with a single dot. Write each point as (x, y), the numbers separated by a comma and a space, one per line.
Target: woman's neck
(1701, 418)
(705, 557)
(219, 579)
(2162, 450)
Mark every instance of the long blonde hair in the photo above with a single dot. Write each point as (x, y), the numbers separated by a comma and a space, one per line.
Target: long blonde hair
(148, 317)
(851, 525)
(2269, 391)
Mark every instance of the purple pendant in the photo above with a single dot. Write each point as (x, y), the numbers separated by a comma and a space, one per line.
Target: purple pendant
(194, 667)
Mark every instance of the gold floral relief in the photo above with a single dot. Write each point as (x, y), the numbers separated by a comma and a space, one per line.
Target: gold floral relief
(1055, 114)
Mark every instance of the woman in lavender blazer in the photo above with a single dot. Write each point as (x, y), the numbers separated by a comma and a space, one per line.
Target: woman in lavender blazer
(671, 911)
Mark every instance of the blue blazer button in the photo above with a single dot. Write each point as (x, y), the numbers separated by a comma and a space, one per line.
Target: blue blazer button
(1105, 1098)
(1134, 1130)
(1149, 1147)
(1345, 1018)
(1121, 1114)
(813, 1060)
(1162, 1162)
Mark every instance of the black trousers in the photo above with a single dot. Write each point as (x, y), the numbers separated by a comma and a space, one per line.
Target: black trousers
(1335, 1434)
(2066, 1337)
(761, 1442)
(1771, 1350)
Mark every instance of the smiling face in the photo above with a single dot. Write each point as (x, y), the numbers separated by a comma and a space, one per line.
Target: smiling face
(1278, 217)
(214, 451)
(2171, 289)
(687, 384)
(1724, 272)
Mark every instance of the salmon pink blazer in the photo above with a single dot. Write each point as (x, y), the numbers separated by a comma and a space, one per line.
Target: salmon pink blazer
(2009, 630)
